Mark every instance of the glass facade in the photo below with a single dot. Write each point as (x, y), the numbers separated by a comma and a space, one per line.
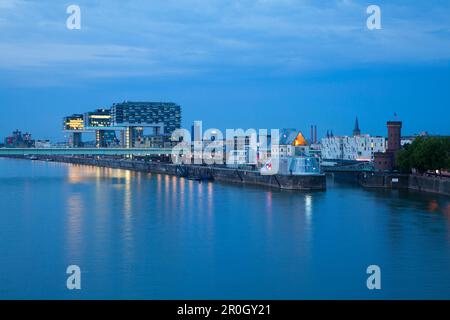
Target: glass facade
(165, 115)
(130, 118)
(74, 122)
(98, 118)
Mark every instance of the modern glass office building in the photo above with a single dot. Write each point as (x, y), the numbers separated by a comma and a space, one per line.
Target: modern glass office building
(74, 125)
(164, 117)
(98, 118)
(101, 120)
(130, 118)
(74, 122)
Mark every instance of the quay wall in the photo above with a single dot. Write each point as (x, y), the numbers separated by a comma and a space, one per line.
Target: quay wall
(287, 182)
(431, 184)
(439, 185)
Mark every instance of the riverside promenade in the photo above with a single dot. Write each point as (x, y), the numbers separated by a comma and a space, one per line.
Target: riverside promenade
(198, 172)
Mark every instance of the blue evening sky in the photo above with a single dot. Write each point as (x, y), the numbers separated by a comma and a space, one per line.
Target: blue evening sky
(230, 63)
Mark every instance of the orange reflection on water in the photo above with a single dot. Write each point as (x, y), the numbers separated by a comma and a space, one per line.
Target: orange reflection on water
(433, 206)
(174, 195)
(158, 191)
(182, 195)
(191, 193)
(127, 195)
(166, 190)
(76, 174)
(128, 231)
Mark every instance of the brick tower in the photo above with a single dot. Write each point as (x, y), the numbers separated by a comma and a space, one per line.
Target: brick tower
(394, 135)
(385, 161)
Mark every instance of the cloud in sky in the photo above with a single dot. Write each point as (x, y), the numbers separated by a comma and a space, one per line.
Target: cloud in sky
(189, 37)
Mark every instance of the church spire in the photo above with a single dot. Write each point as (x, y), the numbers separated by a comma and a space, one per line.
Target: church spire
(356, 131)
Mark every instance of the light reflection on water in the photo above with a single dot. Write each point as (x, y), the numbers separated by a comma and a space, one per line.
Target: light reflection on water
(74, 211)
(141, 235)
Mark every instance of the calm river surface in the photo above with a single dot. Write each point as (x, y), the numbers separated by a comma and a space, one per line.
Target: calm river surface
(150, 236)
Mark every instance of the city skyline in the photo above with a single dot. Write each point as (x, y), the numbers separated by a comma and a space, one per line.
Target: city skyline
(90, 134)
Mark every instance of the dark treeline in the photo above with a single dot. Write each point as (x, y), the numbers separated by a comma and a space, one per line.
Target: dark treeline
(425, 154)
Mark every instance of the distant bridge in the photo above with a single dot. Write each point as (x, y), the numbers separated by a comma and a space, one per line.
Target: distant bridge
(363, 166)
(84, 151)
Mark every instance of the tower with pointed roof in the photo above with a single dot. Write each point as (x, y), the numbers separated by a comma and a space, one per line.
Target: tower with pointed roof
(356, 131)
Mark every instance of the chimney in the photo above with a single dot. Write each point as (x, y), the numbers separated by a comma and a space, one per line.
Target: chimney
(315, 134)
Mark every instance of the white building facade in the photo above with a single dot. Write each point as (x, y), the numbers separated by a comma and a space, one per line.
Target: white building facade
(359, 147)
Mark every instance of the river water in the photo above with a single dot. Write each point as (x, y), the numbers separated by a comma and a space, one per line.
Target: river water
(150, 236)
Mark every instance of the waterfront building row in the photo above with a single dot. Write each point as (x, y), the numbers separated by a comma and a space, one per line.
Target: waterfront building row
(357, 147)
